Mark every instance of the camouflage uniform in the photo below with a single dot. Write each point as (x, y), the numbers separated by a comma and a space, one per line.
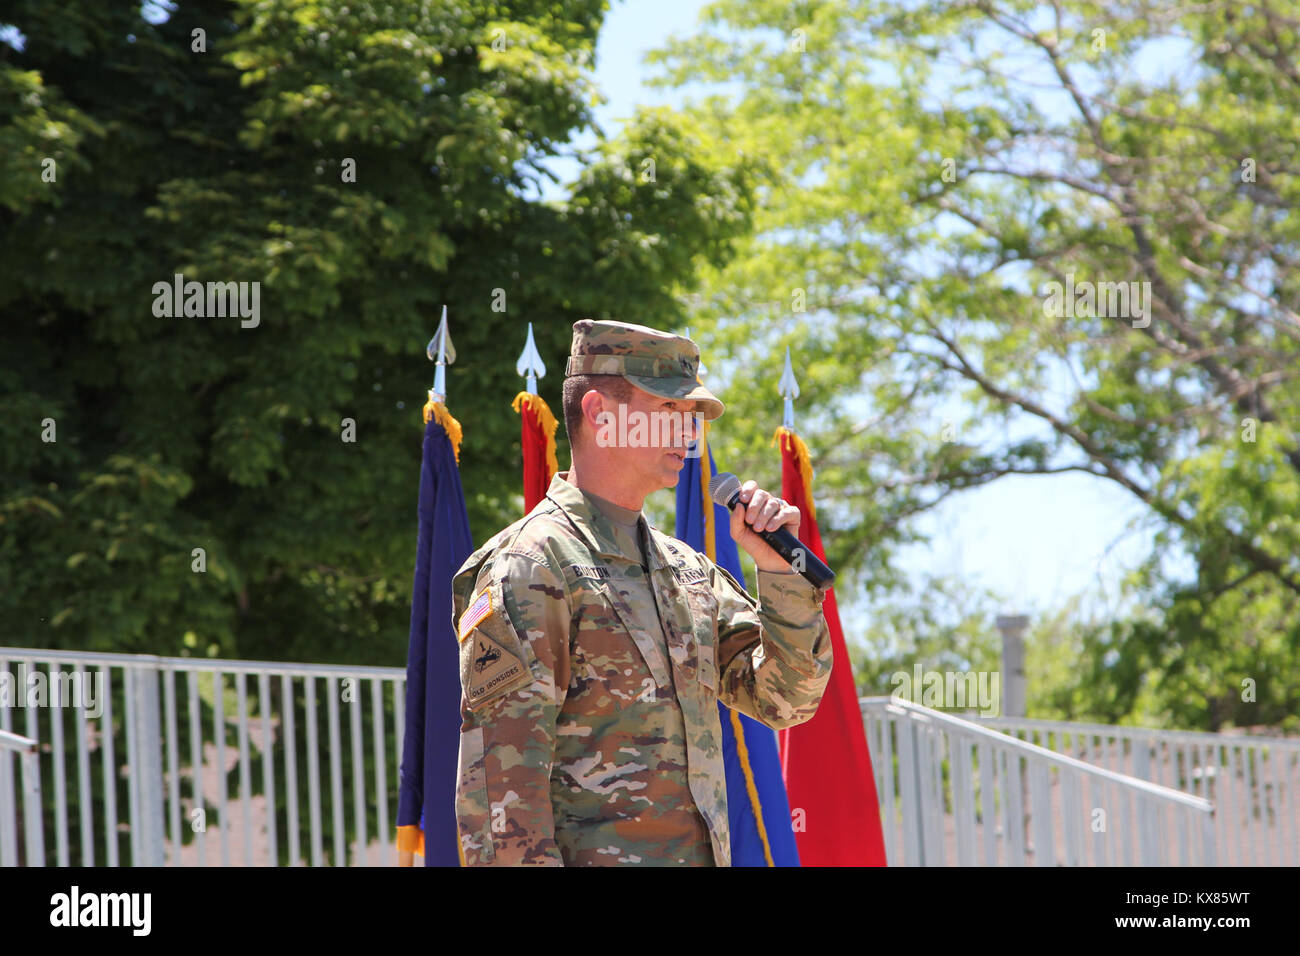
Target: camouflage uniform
(590, 668)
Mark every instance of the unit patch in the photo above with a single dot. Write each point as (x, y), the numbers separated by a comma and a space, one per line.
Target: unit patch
(492, 668)
(493, 659)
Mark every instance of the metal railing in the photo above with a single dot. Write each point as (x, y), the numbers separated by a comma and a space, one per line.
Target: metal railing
(954, 792)
(185, 761)
(1251, 780)
(29, 790)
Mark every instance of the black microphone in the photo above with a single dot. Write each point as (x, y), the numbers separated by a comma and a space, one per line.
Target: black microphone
(724, 488)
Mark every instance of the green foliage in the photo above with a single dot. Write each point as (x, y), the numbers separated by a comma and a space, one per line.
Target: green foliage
(940, 624)
(926, 171)
(174, 434)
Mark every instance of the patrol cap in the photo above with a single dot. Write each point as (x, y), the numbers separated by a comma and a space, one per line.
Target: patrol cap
(661, 363)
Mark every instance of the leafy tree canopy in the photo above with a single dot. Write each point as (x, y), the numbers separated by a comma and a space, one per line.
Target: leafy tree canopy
(930, 171)
(214, 139)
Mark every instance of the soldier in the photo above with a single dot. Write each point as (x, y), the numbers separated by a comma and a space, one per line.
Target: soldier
(593, 647)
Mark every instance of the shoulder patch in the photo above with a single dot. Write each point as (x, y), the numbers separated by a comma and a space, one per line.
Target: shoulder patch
(477, 611)
(493, 669)
(493, 661)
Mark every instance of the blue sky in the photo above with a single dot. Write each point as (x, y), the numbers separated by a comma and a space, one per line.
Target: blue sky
(1034, 540)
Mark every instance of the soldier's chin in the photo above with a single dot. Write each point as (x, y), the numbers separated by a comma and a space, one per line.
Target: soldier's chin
(672, 471)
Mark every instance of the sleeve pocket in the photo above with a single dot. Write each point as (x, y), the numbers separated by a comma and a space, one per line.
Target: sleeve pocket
(473, 812)
(708, 666)
(704, 610)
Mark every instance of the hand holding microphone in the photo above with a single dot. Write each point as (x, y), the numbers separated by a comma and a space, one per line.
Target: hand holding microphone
(763, 528)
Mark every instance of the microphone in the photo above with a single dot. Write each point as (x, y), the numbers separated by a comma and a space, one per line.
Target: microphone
(724, 488)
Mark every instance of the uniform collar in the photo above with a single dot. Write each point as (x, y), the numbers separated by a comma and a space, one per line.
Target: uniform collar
(592, 523)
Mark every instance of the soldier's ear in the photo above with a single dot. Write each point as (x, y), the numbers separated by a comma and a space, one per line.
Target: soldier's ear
(595, 408)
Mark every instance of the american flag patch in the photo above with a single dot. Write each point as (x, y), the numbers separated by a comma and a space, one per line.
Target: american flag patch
(475, 613)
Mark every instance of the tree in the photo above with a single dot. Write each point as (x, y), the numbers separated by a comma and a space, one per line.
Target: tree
(245, 484)
(933, 169)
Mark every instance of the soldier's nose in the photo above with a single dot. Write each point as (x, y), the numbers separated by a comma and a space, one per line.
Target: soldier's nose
(692, 426)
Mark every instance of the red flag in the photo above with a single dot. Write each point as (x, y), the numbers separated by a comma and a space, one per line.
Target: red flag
(825, 760)
(537, 436)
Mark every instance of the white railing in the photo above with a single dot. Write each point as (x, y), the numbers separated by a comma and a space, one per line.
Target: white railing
(250, 794)
(954, 792)
(1251, 780)
(28, 791)
(182, 793)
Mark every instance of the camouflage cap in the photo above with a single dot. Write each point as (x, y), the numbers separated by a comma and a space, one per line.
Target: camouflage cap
(663, 364)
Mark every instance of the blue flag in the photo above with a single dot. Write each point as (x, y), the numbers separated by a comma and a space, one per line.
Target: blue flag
(427, 798)
(755, 789)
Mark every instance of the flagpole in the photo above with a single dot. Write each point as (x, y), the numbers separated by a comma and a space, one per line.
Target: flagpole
(441, 351)
(530, 365)
(842, 825)
(710, 530)
(537, 426)
(789, 389)
(755, 791)
(426, 823)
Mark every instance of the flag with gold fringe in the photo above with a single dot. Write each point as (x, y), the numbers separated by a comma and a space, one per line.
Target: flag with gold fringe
(537, 438)
(758, 811)
(825, 760)
(426, 811)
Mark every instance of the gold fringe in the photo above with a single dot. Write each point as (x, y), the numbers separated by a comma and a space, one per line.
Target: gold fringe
(435, 409)
(742, 752)
(410, 839)
(548, 422)
(710, 532)
(801, 455)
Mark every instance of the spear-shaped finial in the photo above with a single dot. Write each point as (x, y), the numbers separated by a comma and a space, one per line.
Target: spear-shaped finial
(789, 389)
(530, 364)
(441, 350)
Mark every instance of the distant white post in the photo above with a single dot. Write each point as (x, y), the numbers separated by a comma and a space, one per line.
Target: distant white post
(1013, 628)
